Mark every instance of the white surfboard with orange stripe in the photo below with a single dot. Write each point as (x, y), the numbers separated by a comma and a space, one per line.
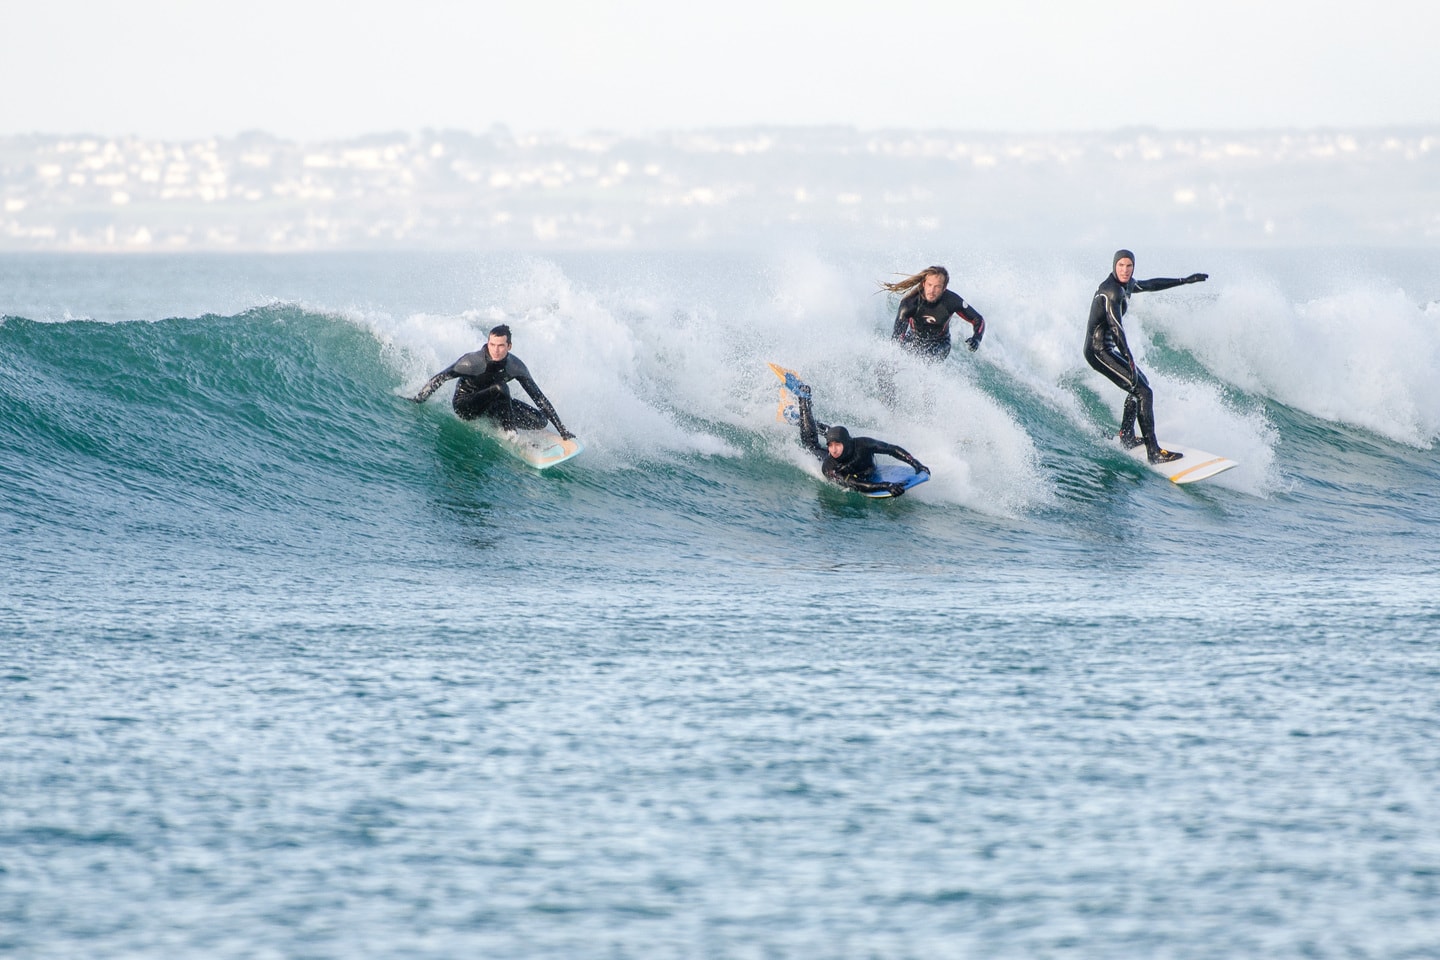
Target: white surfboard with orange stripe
(1193, 466)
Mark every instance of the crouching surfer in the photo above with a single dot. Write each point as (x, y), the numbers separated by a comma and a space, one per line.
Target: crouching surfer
(846, 460)
(483, 390)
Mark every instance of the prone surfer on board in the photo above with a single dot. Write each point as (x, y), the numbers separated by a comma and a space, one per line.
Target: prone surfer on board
(846, 460)
(483, 389)
(1107, 351)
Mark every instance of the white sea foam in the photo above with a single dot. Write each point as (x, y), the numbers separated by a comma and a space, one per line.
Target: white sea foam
(644, 369)
(650, 361)
(592, 364)
(1365, 356)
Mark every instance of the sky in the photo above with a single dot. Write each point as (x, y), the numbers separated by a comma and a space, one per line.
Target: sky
(315, 69)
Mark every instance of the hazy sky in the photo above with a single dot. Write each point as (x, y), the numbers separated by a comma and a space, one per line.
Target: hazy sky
(307, 69)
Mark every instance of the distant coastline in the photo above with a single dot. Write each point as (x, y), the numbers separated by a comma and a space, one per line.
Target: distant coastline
(717, 188)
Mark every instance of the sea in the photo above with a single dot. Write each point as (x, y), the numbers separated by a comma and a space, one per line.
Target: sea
(291, 667)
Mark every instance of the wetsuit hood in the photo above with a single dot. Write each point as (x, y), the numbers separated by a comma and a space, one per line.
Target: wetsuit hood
(1129, 285)
(841, 436)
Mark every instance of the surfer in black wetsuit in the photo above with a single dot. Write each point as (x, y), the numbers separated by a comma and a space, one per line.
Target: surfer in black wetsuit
(1107, 351)
(483, 389)
(846, 460)
(927, 305)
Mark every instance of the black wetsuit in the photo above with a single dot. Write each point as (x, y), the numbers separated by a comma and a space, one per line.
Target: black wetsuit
(856, 463)
(483, 390)
(1107, 351)
(924, 328)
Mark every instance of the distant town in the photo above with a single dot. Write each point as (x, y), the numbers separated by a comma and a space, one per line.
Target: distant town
(707, 189)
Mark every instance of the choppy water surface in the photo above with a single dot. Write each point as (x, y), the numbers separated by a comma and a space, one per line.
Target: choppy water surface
(291, 667)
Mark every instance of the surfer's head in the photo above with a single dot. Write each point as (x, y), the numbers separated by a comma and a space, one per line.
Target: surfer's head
(930, 283)
(936, 280)
(498, 345)
(837, 442)
(1124, 261)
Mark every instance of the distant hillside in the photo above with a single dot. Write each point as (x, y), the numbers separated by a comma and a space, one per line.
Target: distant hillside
(720, 188)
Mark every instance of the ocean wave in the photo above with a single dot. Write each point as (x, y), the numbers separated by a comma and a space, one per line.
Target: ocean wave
(654, 367)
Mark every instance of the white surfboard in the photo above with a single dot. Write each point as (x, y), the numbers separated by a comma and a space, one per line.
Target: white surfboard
(539, 448)
(1193, 466)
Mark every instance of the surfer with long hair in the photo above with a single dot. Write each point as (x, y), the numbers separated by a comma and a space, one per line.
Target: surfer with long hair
(927, 305)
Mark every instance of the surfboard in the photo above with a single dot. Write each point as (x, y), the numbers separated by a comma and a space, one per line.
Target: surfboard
(539, 448)
(789, 412)
(895, 473)
(1195, 464)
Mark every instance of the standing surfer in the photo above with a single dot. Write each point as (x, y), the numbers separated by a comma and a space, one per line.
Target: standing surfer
(846, 460)
(483, 389)
(1107, 351)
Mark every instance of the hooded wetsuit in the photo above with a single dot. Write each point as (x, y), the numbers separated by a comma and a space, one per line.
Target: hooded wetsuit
(856, 463)
(1107, 351)
(483, 391)
(924, 328)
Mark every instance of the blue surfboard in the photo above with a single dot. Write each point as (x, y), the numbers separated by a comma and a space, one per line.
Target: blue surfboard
(895, 473)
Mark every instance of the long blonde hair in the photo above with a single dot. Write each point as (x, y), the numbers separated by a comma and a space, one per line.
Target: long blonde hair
(915, 281)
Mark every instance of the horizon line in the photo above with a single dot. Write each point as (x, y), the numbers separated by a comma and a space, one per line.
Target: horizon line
(507, 129)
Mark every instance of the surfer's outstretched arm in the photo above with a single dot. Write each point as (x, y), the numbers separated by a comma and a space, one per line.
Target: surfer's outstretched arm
(901, 454)
(434, 383)
(1165, 283)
